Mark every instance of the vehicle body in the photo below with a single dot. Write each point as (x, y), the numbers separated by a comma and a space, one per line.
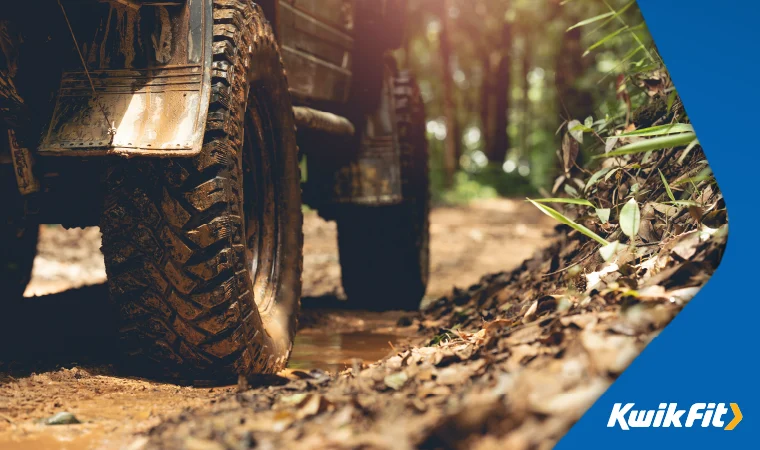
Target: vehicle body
(108, 103)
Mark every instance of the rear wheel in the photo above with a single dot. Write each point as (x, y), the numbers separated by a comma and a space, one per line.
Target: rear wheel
(204, 256)
(385, 251)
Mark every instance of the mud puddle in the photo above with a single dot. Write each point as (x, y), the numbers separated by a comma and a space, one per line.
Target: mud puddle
(334, 340)
(334, 352)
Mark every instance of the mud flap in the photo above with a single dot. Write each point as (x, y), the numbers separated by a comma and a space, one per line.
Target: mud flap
(147, 90)
(370, 176)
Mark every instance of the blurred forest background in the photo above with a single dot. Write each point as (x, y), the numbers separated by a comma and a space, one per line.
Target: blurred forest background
(502, 78)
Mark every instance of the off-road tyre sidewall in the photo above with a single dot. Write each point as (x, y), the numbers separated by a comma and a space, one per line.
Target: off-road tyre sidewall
(174, 230)
(385, 251)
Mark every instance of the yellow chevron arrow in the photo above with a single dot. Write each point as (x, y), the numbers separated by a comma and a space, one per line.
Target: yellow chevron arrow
(737, 417)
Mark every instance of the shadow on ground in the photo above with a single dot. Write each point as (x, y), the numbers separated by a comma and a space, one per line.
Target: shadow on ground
(42, 333)
(78, 327)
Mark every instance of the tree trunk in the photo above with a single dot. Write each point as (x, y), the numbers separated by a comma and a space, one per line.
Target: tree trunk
(452, 145)
(526, 103)
(486, 105)
(503, 96)
(573, 102)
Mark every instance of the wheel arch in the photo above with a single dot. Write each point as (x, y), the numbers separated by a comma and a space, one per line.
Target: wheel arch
(162, 55)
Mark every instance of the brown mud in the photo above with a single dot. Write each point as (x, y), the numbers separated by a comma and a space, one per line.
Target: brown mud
(64, 360)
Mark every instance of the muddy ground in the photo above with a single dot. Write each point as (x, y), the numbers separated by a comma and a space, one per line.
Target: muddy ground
(59, 354)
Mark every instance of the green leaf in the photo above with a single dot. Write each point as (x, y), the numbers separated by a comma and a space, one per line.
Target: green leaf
(570, 201)
(583, 23)
(610, 144)
(604, 214)
(576, 130)
(657, 143)
(571, 190)
(596, 177)
(610, 250)
(611, 173)
(630, 218)
(672, 99)
(667, 186)
(661, 130)
(556, 215)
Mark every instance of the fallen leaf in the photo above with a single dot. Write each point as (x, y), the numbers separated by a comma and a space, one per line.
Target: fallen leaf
(570, 150)
(603, 214)
(314, 404)
(396, 380)
(609, 353)
(609, 251)
(530, 314)
(684, 295)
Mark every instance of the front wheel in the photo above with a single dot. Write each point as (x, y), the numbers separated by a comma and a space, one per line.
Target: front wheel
(385, 250)
(204, 256)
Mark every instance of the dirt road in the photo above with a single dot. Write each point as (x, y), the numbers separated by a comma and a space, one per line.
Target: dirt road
(64, 357)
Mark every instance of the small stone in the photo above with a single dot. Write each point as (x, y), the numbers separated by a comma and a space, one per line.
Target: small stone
(61, 418)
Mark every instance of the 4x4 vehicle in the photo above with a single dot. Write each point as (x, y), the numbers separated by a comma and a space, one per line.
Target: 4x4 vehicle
(175, 125)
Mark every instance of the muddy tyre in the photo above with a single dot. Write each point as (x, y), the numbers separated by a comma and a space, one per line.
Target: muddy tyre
(18, 238)
(204, 255)
(385, 251)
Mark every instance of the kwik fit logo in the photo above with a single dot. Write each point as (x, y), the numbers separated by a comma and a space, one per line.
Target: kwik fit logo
(668, 415)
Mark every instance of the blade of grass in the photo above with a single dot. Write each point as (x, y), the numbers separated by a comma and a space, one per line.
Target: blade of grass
(610, 36)
(667, 186)
(705, 174)
(601, 41)
(688, 150)
(657, 143)
(613, 17)
(570, 201)
(681, 203)
(591, 20)
(661, 130)
(635, 36)
(556, 215)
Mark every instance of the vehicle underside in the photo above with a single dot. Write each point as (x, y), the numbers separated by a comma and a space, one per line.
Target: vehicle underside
(181, 128)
